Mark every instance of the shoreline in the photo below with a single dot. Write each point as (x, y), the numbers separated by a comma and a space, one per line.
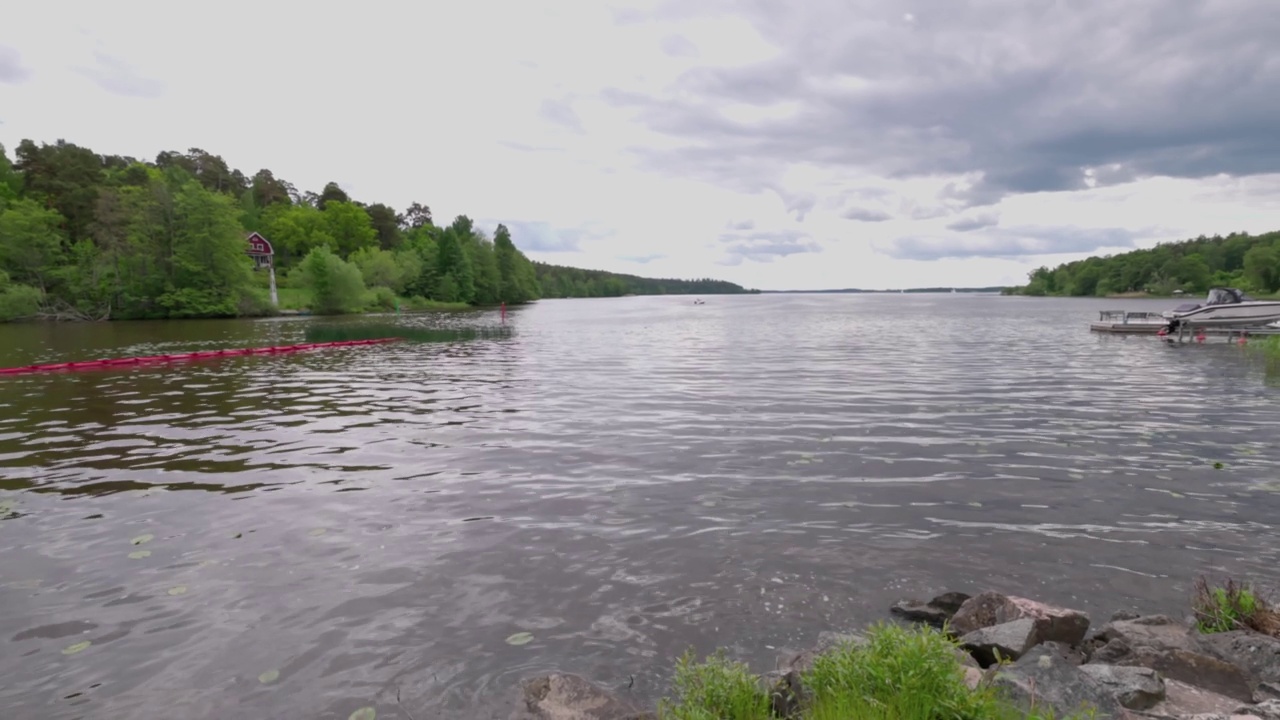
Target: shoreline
(1003, 657)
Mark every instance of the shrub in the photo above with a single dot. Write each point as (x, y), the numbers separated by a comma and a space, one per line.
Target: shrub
(382, 298)
(1232, 606)
(335, 285)
(17, 301)
(716, 689)
(900, 673)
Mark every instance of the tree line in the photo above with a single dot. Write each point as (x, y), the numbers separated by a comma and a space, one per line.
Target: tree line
(90, 236)
(1239, 260)
(558, 281)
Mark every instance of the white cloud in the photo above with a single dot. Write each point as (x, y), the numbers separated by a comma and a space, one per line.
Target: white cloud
(513, 111)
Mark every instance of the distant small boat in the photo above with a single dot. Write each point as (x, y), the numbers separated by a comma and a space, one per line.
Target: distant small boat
(699, 302)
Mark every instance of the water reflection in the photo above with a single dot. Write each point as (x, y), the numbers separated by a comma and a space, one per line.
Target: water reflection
(618, 479)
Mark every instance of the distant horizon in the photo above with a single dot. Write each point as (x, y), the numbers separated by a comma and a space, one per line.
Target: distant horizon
(931, 289)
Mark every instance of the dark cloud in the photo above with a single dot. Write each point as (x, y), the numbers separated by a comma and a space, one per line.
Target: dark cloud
(1020, 95)
(1011, 243)
(561, 113)
(865, 215)
(765, 246)
(12, 70)
(540, 236)
(642, 259)
(974, 222)
(116, 76)
(679, 46)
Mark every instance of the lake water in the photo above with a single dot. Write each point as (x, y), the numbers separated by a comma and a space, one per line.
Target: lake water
(622, 479)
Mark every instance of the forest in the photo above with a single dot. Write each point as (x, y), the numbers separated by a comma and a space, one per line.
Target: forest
(1239, 260)
(85, 236)
(563, 282)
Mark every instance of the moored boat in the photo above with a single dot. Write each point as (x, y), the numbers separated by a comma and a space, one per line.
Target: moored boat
(1224, 307)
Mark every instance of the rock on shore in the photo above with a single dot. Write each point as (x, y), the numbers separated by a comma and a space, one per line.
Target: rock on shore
(1132, 667)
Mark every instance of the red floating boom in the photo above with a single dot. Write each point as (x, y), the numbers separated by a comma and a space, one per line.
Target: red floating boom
(182, 357)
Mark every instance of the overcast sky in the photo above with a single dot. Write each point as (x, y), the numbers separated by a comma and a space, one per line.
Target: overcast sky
(814, 144)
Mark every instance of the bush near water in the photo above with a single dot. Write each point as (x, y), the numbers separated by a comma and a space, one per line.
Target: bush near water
(88, 236)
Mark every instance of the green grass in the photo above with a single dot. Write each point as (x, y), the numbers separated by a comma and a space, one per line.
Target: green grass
(900, 673)
(293, 298)
(715, 689)
(1232, 606)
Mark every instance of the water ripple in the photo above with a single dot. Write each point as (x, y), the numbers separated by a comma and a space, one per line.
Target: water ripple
(621, 478)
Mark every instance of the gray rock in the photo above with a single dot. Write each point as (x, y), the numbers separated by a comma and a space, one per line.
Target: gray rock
(1183, 701)
(1113, 652)
(915, 611)
(1151, 631)
(982, 610)
(1006, 641)
(1255, 652)
(1071, 654)
(1136, 688)
(990, 608)
(1267, 691)
(561, 696)
(1045, 679)
(1124, 615)
(1267, 710)
(803, 659)
(950, 601)
(786, 685)
(937, 612)
(1202, 671)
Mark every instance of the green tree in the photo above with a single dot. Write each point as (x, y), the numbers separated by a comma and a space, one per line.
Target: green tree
(294, 230)
(32, 246)
(518, 282)
(332, 193)
(386, 224)
(417, 216)
(457, 280)
(17, 301)
(335, 285)
(348, 224)
(210, 275)
(1262, 268)
(380, 268)
(10, 180)
(67, 177)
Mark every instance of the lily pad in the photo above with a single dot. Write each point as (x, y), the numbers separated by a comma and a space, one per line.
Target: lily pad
(139, 554)
(520, 638)
(78, 647)
(1218, 466)
(144, 538)
(269, 677)
(364, 713)
(178, 590)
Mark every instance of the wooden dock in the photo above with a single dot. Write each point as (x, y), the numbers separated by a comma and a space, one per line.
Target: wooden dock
(1125, 322)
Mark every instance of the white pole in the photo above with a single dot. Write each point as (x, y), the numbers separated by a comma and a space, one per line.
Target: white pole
(275, 299)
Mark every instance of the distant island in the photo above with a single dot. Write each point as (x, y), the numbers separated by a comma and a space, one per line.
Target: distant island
(557, 281)
(85, 236)
(1239, 260)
